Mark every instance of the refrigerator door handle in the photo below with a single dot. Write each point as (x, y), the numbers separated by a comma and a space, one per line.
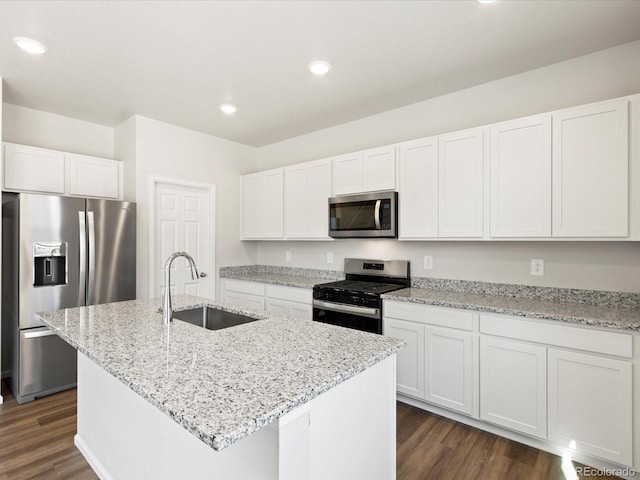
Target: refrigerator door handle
(82, 278)
(92, 259)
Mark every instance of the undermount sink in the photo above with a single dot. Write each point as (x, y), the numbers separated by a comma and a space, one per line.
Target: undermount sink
(212, 318)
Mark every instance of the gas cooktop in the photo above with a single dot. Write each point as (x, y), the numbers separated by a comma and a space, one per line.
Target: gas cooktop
(356, 286)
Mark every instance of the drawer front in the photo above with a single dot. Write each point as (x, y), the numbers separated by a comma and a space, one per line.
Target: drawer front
(292, 294)
(579, 338)
(252, 288)
(438, 316)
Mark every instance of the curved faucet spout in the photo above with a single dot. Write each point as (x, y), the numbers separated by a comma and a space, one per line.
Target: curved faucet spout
(167, 309)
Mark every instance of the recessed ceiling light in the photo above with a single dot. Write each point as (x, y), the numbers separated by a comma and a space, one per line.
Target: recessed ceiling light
(30, 45)
(319, 68)
(486, 1)
(228, 108)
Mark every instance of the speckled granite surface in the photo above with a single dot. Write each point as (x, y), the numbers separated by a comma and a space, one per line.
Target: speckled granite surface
(220, 385)
(594, 315)
(286, 276)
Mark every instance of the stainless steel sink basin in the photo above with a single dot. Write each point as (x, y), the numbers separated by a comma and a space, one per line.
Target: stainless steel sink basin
(212, 318)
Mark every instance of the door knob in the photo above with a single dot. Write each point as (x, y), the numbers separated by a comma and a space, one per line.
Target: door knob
(202, 274)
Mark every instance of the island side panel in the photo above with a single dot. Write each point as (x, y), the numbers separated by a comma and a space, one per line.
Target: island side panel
(123, 436)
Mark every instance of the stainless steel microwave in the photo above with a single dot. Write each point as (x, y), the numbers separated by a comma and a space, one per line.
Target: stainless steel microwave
(364, 216)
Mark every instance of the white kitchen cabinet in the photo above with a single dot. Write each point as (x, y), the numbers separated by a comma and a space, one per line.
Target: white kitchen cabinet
(449, 368)
(33, 169)
(244, 294)
(94, 177)
(40, 170)
(590, 405)
(460, 176)
(591, 170)
(521, 177)
(365, 171)
(292, 301)
(262, 205)
(410, 360)
(307, 188)
(513, 385)
(418, 189)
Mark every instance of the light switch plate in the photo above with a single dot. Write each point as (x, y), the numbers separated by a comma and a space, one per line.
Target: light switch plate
(329, 257)
(428, 262)
(537, 267)
(287, 256)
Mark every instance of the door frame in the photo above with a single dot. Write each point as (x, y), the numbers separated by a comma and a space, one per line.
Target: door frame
(211, 188)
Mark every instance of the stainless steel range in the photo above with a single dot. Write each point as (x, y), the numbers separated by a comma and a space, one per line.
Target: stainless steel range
(356, 302)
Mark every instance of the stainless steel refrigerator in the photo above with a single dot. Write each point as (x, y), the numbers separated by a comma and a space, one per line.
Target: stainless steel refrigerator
(58, 252)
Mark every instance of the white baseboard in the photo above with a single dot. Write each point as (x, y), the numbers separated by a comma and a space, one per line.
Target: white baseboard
(88, 455)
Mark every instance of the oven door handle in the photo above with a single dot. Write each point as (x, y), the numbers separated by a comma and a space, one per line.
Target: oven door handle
(341, 307)
(376, 215)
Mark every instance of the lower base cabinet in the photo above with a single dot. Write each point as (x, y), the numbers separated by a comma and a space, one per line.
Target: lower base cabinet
(410, 360)
(513, 385)
(590, 405)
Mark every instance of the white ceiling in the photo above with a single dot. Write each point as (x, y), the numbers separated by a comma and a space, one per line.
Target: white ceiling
(177, 61)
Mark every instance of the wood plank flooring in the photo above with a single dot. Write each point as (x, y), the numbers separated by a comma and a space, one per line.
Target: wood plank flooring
(36, 442)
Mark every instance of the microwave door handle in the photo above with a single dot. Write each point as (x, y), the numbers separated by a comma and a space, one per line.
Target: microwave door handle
(376, 215)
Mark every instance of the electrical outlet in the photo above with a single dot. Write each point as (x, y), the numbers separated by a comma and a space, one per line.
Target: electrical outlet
(428, 262)
(537, 267)
(329, 257)
(287, 256)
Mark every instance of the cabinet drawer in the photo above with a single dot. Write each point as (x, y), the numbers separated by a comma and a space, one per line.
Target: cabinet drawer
(240, 286)
(443, 317)
(597, 341)
(293, 294)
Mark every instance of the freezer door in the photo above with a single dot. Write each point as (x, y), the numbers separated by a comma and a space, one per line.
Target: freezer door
(111, 238)
(46, 227)
(47, 364)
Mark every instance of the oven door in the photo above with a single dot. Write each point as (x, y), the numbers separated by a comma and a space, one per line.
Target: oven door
(368, 215)
(350, 316)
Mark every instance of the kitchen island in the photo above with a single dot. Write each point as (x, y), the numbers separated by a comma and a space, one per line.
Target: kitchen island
(275, 398)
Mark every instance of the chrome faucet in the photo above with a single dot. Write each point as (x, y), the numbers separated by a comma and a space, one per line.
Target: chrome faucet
(167, 310)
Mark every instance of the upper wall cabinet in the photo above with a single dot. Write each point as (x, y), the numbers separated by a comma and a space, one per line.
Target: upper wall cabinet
(307, 188)
(521, 177)
(366, 171)
(591, 170)
(460, 184)
(33, 169)
(262, 205)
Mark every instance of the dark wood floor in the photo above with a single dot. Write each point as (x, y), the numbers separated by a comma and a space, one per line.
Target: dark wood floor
(36, 442)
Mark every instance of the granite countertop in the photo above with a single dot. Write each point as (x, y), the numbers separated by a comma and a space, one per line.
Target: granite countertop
(285, 276)
(225, 384)
(585, 314)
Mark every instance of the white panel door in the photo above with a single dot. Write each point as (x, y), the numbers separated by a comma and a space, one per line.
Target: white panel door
(418, 189)
(591, 171)
(410, 360)
(183, 223)
(590, 405)
(33, 169)
(449, 368)
(513, 385)
(521, 178)
(460, 172)
(379, 169)
(94, 177)
(347, 173)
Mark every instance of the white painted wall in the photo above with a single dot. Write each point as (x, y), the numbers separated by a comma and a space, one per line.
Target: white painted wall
(168, 151)
(606, 266)
(27, 126)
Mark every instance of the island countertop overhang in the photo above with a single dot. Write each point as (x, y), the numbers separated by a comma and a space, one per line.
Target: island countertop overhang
(219, 385)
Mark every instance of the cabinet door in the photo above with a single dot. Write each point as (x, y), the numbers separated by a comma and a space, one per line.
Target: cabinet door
(272, 203)
(521, 178)
(513, 385)
(418, 189)
(300, 310)
(33, 169)
(590, 405)
(296, 204)
(460, 165)
(252, 195)
(318, 193)
(233, 298)
(276, 306)
(347, 173)
(379, 169)
(449, 368)
(94, 177)
(590, 171)
(253, 301)
(410, 360)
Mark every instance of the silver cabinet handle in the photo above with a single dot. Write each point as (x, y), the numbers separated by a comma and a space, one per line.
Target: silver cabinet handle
(203, 274)
(41, 333)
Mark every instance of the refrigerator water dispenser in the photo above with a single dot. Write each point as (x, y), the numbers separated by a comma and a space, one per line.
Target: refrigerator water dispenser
(49, 264)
